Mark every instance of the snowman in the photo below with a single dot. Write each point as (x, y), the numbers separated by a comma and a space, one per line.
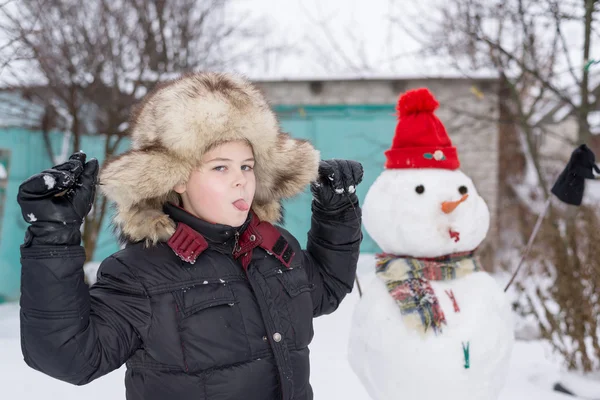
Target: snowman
(432, 324)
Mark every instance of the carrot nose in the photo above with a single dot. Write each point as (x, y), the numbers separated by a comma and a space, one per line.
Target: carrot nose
(449, 206)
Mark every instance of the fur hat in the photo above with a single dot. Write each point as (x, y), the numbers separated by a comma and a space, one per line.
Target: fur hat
(175, 125)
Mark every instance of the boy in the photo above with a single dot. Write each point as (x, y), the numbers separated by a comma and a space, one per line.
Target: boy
(208, 300)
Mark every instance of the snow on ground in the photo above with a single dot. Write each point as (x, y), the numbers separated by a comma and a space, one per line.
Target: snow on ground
(534, 371)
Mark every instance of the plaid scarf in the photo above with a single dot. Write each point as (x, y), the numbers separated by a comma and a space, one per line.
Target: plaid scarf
(408, 282)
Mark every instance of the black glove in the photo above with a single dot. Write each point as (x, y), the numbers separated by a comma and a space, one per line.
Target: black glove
(335, 187)
(56, 201)
(570, 184)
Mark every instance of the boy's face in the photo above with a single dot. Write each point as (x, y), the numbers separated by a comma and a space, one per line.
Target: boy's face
(221, 190)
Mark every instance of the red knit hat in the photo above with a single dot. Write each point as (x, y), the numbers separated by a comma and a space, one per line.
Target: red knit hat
(420, 140)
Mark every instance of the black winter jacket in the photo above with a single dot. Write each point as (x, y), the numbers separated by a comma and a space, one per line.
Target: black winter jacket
(207, 329)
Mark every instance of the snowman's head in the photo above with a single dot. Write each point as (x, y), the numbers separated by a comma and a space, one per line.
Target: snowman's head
(425, 212)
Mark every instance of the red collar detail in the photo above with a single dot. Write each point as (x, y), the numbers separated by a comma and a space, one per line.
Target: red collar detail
(264, 235)
(187, 243)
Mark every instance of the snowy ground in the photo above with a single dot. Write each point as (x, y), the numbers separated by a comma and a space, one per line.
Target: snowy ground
(534, 370)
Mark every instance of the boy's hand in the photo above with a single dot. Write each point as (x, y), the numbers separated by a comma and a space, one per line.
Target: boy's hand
(56, 201)
(336, 185)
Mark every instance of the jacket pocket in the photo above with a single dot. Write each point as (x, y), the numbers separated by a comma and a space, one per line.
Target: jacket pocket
(193, 300)
(299, 303)
(295, 281)
(211, 327)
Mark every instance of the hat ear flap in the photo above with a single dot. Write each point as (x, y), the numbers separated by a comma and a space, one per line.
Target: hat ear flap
(145, 222)
(289, 167)
(142, 174)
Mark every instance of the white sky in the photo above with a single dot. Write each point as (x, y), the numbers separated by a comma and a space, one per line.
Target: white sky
(362, 42)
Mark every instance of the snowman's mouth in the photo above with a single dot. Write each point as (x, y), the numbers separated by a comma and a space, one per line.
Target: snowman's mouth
(454, 235)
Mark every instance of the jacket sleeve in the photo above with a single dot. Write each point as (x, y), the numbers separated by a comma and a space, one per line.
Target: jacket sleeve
(72, 332)
(331, 255)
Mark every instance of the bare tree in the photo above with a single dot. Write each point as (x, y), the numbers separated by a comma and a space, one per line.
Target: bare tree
(541, 51)
(87, 63)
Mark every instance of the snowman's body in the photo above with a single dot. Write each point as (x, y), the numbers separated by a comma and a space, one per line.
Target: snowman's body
(395, 362)
(426, 213)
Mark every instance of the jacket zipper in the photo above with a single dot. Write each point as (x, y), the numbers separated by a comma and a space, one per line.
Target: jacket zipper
(235, 244)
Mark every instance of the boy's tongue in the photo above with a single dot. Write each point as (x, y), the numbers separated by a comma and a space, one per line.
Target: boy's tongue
(241, 205)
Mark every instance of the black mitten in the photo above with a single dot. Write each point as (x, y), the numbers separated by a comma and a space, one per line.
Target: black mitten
(336, 186)
(570, 185)
(56, 201)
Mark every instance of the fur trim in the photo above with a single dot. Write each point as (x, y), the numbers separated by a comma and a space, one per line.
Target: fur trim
(175, 125)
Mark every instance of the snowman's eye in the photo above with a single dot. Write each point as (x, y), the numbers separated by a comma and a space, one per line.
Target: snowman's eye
(463, 190)
(420, 189)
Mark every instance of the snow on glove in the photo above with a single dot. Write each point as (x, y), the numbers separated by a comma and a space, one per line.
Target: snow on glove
(56, 201)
